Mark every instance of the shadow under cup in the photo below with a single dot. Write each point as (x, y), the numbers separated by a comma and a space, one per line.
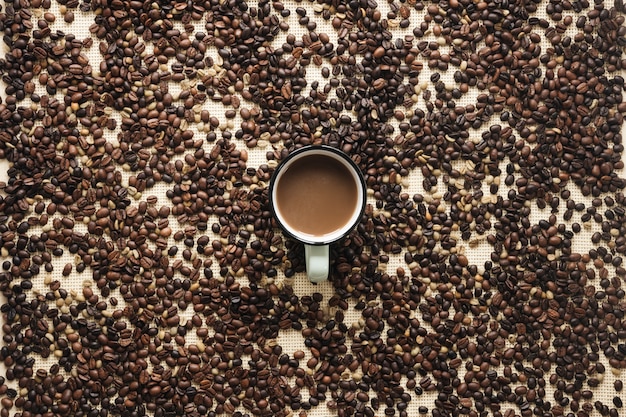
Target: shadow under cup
(317, 195)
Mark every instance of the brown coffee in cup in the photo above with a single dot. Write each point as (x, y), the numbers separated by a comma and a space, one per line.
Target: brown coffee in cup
(318, 195)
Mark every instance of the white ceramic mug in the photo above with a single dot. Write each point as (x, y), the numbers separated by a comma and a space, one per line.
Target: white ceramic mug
(317, 246)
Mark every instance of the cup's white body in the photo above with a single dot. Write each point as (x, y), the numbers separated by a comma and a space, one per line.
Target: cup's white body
(317, 251)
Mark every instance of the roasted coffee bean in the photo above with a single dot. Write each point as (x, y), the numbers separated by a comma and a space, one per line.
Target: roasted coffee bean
(145, 177)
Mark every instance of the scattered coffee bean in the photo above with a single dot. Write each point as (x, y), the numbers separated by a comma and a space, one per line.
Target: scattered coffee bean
(190, 289)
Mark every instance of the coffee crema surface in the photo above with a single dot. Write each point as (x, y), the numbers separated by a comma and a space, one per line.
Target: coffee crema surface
(317, 195)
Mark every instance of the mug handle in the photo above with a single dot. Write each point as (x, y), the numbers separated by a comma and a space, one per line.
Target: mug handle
(317, 262)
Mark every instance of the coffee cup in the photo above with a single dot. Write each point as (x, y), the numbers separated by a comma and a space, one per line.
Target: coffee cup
(317, 196)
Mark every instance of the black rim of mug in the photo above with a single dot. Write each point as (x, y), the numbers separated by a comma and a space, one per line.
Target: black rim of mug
(306, 149)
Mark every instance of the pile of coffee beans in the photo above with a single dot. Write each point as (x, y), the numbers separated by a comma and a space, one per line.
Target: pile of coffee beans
(503, 118)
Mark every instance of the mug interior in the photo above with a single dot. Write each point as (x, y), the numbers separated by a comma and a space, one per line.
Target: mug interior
(356, 176)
